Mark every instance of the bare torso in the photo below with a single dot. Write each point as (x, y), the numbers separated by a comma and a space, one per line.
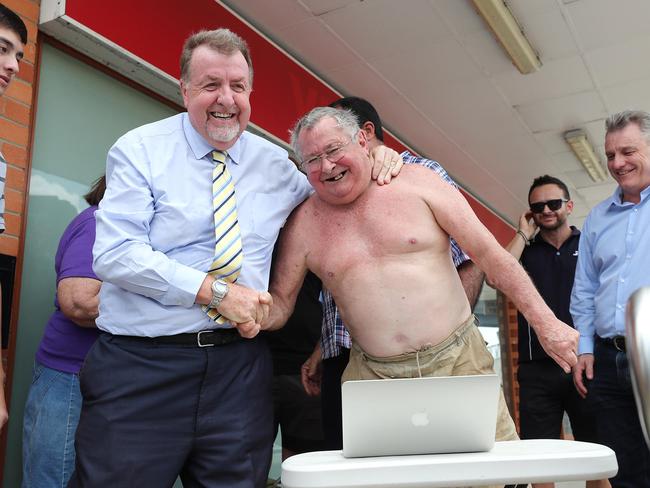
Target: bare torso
(390, 271)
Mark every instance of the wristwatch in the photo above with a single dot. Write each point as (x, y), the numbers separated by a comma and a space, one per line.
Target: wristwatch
(219, 292)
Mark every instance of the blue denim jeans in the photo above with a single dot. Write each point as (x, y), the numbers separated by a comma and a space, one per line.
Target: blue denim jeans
(51, 418)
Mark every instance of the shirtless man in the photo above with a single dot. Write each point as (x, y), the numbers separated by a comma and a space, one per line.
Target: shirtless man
(391, 274)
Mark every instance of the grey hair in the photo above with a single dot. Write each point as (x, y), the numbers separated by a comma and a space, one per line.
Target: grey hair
(345, 120)
(620, 120)
(223, 41)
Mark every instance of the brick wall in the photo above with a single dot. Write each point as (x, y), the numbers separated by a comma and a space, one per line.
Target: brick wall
(16, 127)
(509, 353)
(16, 114)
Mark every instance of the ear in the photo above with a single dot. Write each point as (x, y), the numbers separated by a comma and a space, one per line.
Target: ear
(569, 207)
(362, 138)
(368, 128)
(184, 90)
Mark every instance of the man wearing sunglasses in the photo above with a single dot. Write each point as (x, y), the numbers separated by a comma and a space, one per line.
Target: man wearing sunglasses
(549, 257)
(613, 264)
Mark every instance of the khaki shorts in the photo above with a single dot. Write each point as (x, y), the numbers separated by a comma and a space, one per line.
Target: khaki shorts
(462, 353)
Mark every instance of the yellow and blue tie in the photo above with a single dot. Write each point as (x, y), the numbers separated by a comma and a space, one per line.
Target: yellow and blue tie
(228, 254)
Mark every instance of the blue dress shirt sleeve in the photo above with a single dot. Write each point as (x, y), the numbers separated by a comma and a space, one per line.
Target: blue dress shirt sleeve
(585, 285)
(123, 253)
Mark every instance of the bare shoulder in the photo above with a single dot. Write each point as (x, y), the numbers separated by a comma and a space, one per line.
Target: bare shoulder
(301, 216)
(417, 176)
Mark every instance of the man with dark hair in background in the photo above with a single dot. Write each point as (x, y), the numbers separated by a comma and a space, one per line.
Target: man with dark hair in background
(13, 37)
(549, 257)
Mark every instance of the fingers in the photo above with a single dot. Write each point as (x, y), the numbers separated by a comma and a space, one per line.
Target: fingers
(577, 381)
(386, 163)
(580, 386)
(562, 363)
(383, 172)
(564, 355)
(381, 161)
(571, 358)
(394, 168)
(589, 370)
(262, 312)
(265, 298)
(304, 378)
(249, 329)
(308, 383)
(397, 167)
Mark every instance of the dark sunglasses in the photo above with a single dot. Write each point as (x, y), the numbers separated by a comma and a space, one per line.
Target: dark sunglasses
(553, 205)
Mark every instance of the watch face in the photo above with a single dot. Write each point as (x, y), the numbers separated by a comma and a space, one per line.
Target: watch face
(219, 291)
(219, 288)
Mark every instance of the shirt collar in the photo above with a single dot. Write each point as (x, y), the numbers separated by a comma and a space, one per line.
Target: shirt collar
(617, 198)
(539, 238)
(201, 148)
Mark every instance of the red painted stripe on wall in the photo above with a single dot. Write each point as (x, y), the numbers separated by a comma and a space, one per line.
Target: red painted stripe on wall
(154, 30)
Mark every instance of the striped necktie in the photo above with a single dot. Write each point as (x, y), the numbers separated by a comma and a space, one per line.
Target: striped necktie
(228, 255)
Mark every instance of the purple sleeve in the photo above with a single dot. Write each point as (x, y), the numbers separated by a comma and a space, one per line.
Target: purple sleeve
(77, 253)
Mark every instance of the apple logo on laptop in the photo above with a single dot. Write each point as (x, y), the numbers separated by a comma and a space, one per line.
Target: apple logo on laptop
(420, 419)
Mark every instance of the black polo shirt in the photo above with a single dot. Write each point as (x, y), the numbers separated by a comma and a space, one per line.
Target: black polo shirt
(552, 271)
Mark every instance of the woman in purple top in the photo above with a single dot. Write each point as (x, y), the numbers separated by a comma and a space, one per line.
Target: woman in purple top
(54, 400)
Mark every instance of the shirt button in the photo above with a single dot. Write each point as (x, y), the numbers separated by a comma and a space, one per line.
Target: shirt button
(622, 280)
(628, 257)
(557, 253)
(619, 306)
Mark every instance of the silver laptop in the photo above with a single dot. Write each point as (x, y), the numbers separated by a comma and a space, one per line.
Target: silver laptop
(419, 415)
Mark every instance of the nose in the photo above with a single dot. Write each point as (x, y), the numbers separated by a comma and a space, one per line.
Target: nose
(225, 97)
(619, 159)
(326, 166)
(10, 64)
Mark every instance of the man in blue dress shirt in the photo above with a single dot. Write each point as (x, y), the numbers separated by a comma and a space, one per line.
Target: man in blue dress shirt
(612, 264)
(166, 389)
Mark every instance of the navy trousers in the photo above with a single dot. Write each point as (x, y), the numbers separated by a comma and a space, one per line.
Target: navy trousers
(153, 412)
(617, 418)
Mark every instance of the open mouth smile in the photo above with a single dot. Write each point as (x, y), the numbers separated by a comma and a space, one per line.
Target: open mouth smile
(221, 116)
(337, 177)
(624, 172)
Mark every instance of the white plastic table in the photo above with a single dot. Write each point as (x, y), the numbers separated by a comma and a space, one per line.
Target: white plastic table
(530, 461)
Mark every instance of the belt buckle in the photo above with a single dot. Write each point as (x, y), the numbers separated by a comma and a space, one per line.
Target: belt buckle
(198, 339)
(619, 343)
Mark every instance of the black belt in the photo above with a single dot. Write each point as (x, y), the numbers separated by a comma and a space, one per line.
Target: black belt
(205, 338)
(617, 342)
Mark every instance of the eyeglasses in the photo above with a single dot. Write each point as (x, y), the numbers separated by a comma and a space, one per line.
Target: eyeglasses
(553, 205)
(333, 155)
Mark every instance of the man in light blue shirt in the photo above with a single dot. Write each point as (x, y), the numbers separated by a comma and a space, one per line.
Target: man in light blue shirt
(612, 264)
(166, 389)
